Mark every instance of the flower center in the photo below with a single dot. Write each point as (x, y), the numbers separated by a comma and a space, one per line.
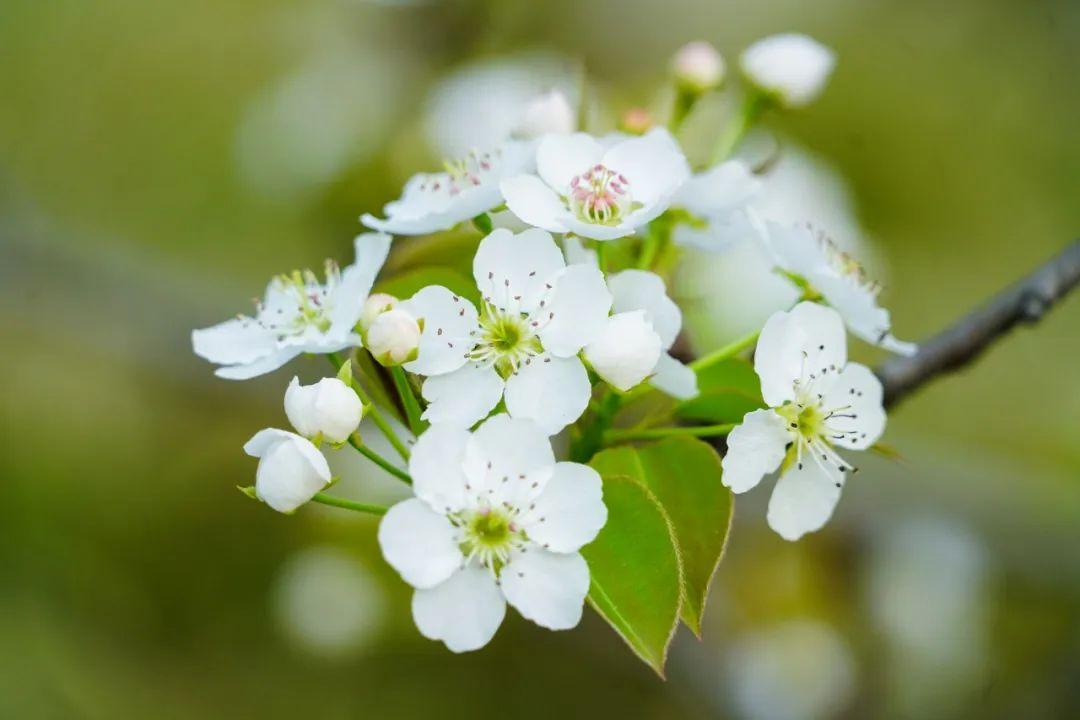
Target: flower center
(304, 302)
(460, 174)
(845, 265)
(600, 196)
(489, 535)
(506, 339)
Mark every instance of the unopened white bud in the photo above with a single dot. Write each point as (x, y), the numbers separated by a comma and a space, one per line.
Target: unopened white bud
(291, 469)
(394, 337)
(626, 350)
(375, 306)
(791, 68)
(698, 67)
(548, 113)
(328, 409)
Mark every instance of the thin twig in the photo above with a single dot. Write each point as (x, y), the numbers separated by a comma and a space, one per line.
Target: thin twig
(958, 345)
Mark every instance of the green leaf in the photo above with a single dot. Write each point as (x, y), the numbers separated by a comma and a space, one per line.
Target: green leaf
(406, 284)
(683, 473)
(634, 571)
(727, 391)
(345, 374)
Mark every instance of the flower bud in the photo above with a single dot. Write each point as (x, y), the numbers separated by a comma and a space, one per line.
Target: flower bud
(549, 112)
(626, 350)
(793, 69)
(328, 409)
(394, 337)
(698, 67)
(375, 306)
(291, 469)
(636, 121)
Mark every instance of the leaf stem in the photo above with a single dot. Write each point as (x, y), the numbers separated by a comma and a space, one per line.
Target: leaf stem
(613, 436)
(374, 413)
(408, 399)
(340, 502)
(752, 107)
(378, 459)
(725, 353)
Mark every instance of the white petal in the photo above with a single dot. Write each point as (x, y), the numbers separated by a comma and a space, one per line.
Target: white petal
(535, 203)
(419, 543)
(576, 310)
(672, 377)
(719, 190)
(798, 344)
(653, 163)
(512, 271)
(505, 447)
(551, 391)
(755, 448)
(721, 233)
(463, 397)
(236, 341)
(792, 67)
(803, 500)
(570, 511)
(449, 321)
(262, 441)
(855, 399)
(547, 588)
(263, 365)
(643, 290)
(464, 612)
(291, 470)
(576, 252)
(560, 157)
(858, 305)
(796, 249)
(436, 467)
(625, 351)
(608, 232)
(348, 297)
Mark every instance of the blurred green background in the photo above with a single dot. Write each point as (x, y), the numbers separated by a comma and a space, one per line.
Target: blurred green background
(159, 160)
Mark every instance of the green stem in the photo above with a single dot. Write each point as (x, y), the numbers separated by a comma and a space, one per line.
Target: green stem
(602, 255)
(379, 460)
(651, 245)
(374, 413)
(751, 110)
(335, 501)
(725, 353)
(614, 436)
(408, 399)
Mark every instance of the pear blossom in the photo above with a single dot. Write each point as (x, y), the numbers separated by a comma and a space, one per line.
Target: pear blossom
(394, 337)
(818, 402)
(466, 187)
(291, 469)
(297, 315)
(817, 265)
(549, 112)
(717, 202)
(634, 345)
(326, 410)
(495, 520)
(522, 346)
(598, 192)
(791, 68)
(374, 306)
(698, 67)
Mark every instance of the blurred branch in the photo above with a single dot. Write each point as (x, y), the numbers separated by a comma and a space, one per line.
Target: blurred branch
(958, 345)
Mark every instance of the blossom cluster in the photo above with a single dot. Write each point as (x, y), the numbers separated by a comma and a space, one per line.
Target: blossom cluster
(554, 331)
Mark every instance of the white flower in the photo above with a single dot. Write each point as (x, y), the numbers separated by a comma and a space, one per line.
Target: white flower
(298, 315)
(635, 343)
(597, 192)
(698, 67)
(467, 187)
(291, 469)
(374, 306)
(536, 315)
(550, 112)
(394, 337)
(495, 520)
(328, 410)
(812, 258)
(791, 68)
(818, 401)
(717, 199)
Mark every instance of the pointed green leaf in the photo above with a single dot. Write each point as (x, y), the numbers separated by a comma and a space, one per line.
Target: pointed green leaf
(406, 284)
(345, 372)
(683, 473)
(634, 571)
(727, 391)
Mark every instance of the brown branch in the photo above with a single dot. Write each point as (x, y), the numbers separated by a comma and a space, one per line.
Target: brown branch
(958, 345)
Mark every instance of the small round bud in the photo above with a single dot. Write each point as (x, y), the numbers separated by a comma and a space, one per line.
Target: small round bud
(636, 121)
(547, 113)
(291, 469)
(394, 337)
(626, 350)
(328, 409)
(698, 67)
(791, 68)
(375, 306)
